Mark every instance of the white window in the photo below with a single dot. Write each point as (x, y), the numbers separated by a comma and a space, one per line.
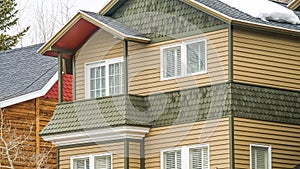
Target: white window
(104, 78)
(199, 157)
(187, 58)
(102, 161)
(260, 157)
(190, 157)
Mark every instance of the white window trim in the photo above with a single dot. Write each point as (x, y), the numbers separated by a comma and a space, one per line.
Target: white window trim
(183, 46)
(91, 159)
(185, 154)
(269, 153)
(87, 68)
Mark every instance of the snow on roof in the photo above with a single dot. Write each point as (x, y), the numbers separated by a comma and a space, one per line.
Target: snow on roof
(265, 10)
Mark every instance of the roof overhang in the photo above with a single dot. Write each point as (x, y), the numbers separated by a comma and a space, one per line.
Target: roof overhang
(76, 32)
(294, 4)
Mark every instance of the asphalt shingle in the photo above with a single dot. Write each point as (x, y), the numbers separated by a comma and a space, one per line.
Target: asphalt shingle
(24, 71)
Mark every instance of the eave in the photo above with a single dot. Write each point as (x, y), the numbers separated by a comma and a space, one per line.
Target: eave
(77, 31)
(294, 4)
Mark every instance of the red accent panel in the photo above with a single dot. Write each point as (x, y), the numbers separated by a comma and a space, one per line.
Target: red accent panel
(76, 35)
(67, 89)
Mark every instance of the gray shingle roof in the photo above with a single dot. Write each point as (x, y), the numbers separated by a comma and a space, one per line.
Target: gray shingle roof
(239, 15)
(23, 71)
(114, 24)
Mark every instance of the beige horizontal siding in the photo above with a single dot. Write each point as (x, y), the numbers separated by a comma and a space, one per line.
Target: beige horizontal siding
(267, 59)
(144, 63)
(214, 132)
(134, 155)
(283, 139)
(117, 150)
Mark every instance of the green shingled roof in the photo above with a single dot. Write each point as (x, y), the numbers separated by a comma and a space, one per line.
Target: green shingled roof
(179, 107)
(162, 20)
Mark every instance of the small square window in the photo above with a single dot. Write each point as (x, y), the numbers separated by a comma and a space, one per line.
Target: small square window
(260, 157)
(172, 159)
(199, 158)
(81, 163)
(172, 62)
(196, 57)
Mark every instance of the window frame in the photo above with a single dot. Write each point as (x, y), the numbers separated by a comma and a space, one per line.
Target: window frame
(91, 158)
(185, 155)
(87, 69)
(162, 159)
(269, 154)
(183, 47)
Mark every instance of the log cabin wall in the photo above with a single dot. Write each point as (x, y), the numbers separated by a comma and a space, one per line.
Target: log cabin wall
(28, 119)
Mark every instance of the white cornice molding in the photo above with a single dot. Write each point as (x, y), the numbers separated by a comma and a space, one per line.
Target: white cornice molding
(32, 95)
(98, 135)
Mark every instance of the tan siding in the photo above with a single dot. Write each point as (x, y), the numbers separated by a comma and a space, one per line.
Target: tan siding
(283, 138)
(144, 66)
(214, 132)
(100, 46)
(134, 154)
(117, 150)
(144, 63)
(265, 59)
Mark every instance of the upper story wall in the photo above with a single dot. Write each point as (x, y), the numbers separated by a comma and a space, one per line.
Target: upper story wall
(144, 62)
(267, 59)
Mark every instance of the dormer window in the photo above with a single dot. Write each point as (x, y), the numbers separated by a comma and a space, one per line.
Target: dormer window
(104, 78)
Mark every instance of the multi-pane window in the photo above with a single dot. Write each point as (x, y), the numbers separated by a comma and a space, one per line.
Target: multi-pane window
(81, 163)
(196, 57)
(172, 62)
(105, 78)
(189, 157)
(183, 59)
(260, 157)
(199, 158)
(103, 161)
(172, 159)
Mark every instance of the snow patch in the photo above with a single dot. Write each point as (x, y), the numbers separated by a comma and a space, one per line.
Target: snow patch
(265, 10)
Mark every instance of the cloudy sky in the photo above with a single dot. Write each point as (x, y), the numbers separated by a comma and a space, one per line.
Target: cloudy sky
(31, 12)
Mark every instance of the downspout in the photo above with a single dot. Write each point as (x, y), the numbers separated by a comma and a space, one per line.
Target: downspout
(230, 80)
(73, 78)
(125, 67)
(142, 154)
(60, 80)
(126, 154)
(57, 157)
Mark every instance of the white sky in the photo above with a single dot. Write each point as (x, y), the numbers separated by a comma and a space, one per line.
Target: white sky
(30, 9)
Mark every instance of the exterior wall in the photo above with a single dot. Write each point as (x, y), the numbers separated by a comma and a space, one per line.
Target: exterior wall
(35, 113)
(117, 149)
(100, 46)
(283, 138)
(144, 63)
(214, 132)
(134, 155)
(266, 59)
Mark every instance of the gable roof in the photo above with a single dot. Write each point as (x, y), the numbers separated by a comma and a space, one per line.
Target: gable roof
(25, 75)
(78, 30)
(67, 89)
(224, 12)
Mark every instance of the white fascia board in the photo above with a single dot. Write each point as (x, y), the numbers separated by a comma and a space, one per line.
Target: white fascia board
(32, 95)
(99, 135)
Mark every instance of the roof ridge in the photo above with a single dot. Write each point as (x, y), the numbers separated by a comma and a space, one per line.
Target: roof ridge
(20, 48)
